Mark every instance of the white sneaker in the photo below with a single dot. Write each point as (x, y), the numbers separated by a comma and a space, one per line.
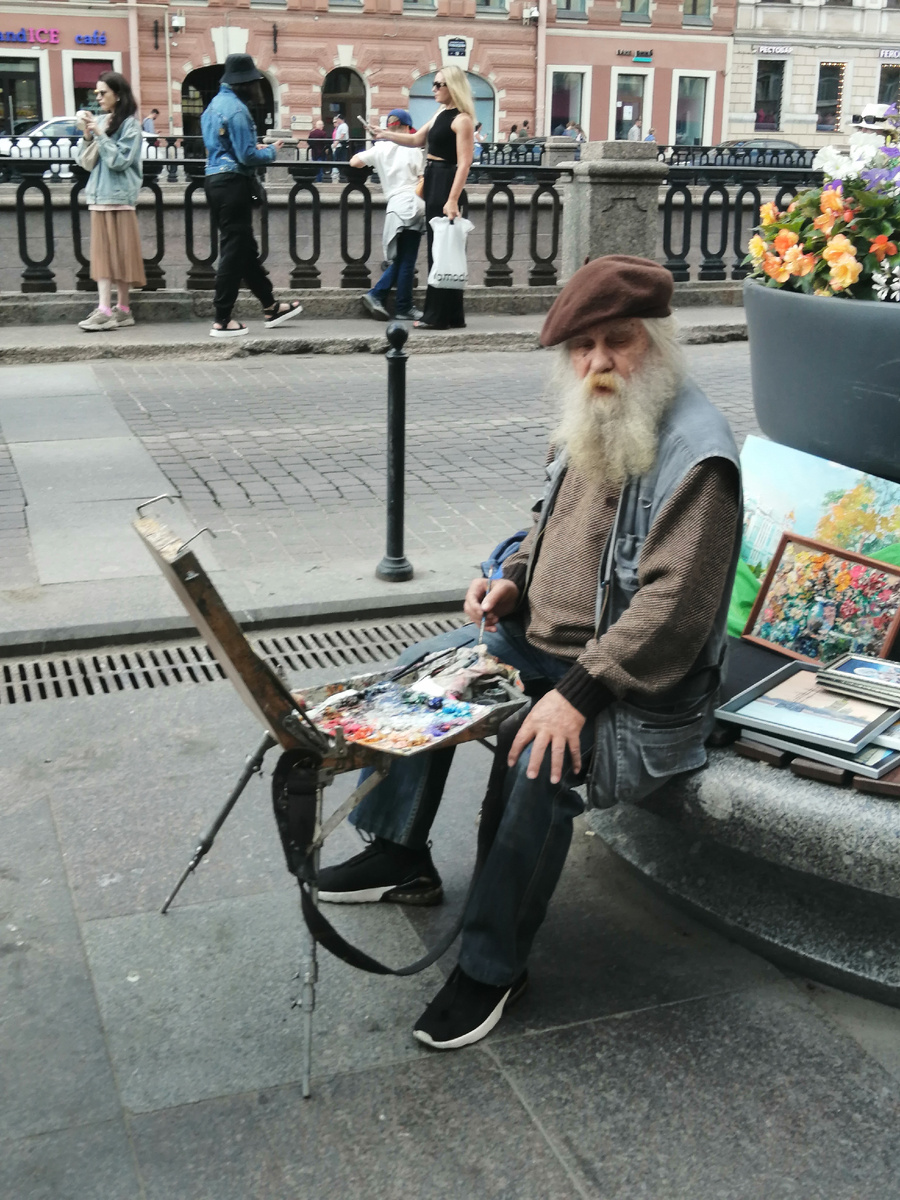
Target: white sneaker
(98, 321)
(123, 319)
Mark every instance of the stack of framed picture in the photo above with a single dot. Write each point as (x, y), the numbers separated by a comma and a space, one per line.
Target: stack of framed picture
(792, 711)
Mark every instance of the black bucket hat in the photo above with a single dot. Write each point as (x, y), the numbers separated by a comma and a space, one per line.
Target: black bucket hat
(240, 68)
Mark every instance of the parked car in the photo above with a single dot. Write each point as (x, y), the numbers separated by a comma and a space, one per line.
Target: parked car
(772, 151)
(55, 138)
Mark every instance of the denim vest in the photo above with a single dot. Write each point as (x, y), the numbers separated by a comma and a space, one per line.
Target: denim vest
(667, 733)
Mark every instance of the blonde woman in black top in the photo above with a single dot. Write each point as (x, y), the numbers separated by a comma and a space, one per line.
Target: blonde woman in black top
(450, 140)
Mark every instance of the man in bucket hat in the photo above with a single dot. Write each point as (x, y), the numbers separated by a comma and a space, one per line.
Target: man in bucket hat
(233, 156)
(614, 612)
(399, 169)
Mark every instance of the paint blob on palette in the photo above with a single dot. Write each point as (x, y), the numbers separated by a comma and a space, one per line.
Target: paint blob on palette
(422, 706)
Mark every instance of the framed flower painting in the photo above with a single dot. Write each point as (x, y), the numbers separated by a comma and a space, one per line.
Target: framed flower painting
(818, 602)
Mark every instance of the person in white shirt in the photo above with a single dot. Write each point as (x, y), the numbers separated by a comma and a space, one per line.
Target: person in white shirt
(399, 168)
(340, 138)
(634, 133)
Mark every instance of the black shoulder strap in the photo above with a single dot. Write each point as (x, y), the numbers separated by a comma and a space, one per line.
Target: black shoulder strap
(294, 800)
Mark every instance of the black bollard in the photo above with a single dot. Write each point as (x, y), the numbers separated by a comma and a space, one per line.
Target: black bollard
(395, 567)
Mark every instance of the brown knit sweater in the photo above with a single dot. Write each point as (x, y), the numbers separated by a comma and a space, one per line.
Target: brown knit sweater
(682, 570)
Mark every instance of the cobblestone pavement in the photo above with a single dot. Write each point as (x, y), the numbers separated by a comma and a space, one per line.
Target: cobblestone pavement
(284, 458)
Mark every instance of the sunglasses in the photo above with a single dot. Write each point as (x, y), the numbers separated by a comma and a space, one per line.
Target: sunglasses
(435, 86)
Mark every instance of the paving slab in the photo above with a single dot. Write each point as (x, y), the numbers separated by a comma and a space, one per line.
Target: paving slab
(88, 1162)
(174, 990)
(27, 418)
(51, 1032)
(749, 1096)
(76, 471)
(49, 379)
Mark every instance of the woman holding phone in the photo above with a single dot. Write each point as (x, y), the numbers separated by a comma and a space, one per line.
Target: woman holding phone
(111, 150)
(449, 138)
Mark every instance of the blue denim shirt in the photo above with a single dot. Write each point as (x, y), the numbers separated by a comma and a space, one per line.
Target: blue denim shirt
(230, 137)
(117, 176)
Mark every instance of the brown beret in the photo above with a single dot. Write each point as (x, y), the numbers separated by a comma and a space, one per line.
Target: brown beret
(617, 285)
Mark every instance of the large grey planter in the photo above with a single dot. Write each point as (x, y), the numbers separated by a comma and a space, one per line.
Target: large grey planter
(826, 375)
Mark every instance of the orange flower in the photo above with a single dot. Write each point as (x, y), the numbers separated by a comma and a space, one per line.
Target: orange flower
(823, 291)
(769, 214)
(825, 222)
(837, 248)
(881, 246)
(799, 263)
(832, 200)
(775, 268)
(845, 271)
(785, 239)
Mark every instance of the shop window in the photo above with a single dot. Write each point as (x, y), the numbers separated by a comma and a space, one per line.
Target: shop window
(769, 81)
(828, 96)
(636, 12)
(697, 12)
(690, 110)
(498, 6)
(20, 95)
(422, 105)
(630, 108)
(838, 3)
(889, 85)
(198, 89)
(566, 89)
(85, 73)
(575, 10)
(419, 5)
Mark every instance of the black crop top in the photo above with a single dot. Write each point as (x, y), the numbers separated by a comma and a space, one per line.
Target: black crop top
(441, 138)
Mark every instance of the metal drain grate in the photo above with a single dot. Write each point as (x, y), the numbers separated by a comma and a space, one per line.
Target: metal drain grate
(127, 668)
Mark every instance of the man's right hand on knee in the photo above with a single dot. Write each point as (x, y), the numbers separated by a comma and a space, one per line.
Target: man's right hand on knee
(499, 602)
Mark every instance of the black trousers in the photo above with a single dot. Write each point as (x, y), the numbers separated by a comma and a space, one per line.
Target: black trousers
(443, 306)
(230, 198)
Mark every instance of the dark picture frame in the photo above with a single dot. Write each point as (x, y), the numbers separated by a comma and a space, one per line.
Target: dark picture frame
(821, 621)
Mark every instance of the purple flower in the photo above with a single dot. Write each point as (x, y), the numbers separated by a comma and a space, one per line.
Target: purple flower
(891, 111)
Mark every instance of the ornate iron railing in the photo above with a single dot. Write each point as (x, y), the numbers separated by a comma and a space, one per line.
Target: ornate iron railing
(541, 214)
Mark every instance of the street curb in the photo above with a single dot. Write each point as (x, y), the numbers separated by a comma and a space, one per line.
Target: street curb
(18, 643)
(210, 350)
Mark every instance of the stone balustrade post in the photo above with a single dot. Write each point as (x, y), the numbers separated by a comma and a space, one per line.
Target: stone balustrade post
(611, 205)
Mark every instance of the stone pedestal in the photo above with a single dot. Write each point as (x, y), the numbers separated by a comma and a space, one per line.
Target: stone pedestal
(612, 204)
(559, 151)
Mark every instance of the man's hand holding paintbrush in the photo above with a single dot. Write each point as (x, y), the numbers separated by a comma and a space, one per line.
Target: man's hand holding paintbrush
(488, 600)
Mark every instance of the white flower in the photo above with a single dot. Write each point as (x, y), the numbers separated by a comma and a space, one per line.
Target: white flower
(887, 283)
(834, 164)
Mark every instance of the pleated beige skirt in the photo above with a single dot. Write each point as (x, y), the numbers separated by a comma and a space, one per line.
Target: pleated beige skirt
(116, 247)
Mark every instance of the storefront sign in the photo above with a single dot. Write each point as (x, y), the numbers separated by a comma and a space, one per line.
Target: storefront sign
(456, 47)
(643, 56)
(774, 49)
(892, 54)
(45, 37)
(91, 39)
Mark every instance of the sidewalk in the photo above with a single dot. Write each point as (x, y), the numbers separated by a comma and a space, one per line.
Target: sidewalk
(284, 459)
(20, 344)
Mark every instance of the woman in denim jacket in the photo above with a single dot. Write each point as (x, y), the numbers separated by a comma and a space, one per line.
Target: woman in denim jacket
(112, 192)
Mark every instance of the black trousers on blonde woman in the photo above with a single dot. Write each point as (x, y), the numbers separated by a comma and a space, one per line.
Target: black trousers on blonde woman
(443, 306)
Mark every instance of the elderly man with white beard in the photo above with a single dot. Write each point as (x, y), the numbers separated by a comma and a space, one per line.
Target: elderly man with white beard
(613, 609)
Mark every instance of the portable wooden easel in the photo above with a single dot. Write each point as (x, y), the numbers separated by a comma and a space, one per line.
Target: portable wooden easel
(282, 716)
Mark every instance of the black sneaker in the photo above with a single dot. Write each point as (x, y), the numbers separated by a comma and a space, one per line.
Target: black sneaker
(374, 307)
(383, 871)
(464, 1011)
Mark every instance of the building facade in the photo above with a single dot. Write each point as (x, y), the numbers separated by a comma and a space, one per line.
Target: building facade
(620, 68)
(805, 69)
(51, 55)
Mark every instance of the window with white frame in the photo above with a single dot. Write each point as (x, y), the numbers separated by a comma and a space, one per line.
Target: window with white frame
(697, 12)
(636, 12)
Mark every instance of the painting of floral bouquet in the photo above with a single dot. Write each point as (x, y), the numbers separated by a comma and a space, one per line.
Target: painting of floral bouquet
(842, 239)
(818, 602)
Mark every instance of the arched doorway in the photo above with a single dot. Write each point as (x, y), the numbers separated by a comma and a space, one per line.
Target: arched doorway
(344, 92)
(201, 85)
(422, 106)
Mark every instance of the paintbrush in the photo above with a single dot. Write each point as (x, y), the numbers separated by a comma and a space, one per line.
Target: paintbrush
(480, 646)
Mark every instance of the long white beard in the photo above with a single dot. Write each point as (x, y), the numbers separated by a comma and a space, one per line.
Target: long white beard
(613, 437)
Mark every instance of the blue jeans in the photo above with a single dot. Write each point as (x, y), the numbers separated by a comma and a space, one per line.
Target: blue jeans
(532, 840)
(402, 271)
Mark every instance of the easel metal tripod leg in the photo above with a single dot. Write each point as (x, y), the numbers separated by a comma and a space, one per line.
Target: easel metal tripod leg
(251, 766)
(309, 970)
